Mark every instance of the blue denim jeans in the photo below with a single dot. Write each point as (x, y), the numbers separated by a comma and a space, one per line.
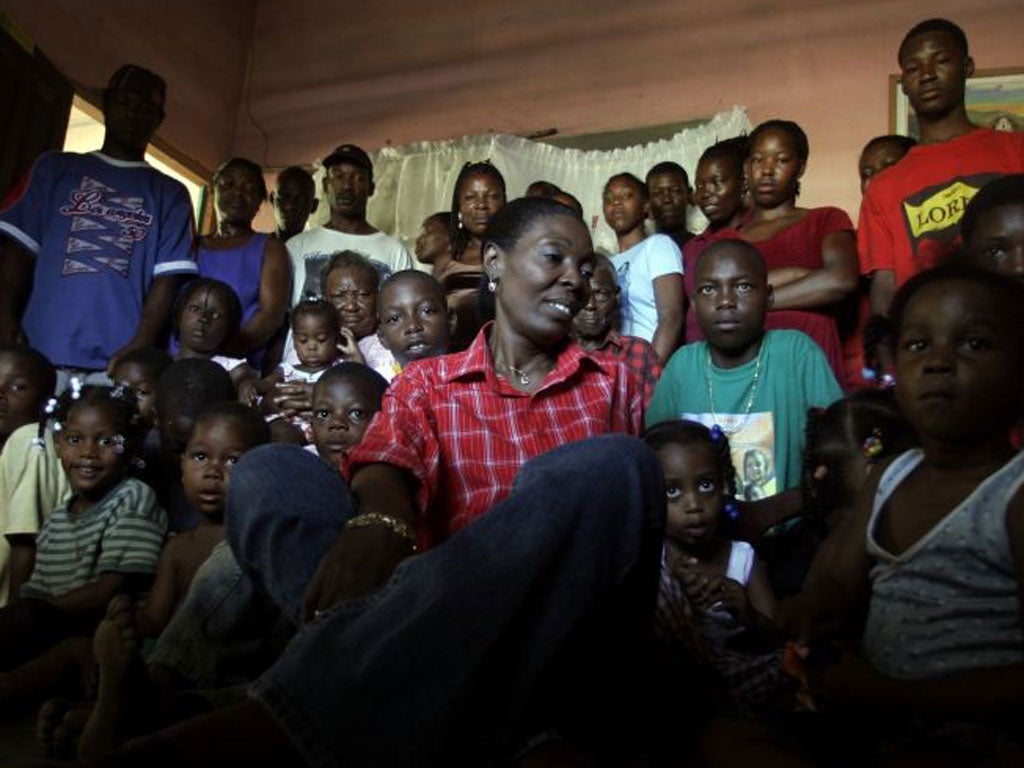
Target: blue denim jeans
(533, 613)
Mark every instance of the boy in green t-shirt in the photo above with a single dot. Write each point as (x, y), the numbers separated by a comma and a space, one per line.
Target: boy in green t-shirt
(756, 386)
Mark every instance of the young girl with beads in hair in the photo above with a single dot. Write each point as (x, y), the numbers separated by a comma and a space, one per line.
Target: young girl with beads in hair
(714, 597)
(105, 537)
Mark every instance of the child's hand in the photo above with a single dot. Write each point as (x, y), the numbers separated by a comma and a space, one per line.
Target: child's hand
(292, 398)
(733, 597)
(348, 347)
(248, 393)
(698, 588)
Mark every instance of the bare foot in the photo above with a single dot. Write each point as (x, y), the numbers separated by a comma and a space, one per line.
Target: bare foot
(121, 704)
(58, 726)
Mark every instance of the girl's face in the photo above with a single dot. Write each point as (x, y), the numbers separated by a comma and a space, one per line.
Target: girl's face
(480, 197)
(432, 241)
(92, 450)
(316, 343)
(997, 243)
(203, 325)
(237, 195)
(342, 410)
(542, 280)
(625, 206)
(351, 292)
(773, 168)
(718, 190)
(958, 365)
(695, 492)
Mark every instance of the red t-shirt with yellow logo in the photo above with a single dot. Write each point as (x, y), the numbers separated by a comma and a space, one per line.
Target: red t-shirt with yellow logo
(910, 215)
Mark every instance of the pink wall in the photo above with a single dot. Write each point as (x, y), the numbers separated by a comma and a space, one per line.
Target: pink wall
(396, 71)
(198, 46)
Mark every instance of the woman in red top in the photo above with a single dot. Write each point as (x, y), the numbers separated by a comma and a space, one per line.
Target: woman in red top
(811, 253)
(542, 534)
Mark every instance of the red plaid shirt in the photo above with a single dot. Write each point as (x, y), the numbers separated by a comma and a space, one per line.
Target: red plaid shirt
(637, 354)
(463, 433)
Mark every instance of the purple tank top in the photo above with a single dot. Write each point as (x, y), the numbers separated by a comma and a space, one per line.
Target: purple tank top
(240, 268)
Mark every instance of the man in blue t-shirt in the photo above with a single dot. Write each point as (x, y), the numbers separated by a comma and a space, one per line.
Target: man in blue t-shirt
(94, 245)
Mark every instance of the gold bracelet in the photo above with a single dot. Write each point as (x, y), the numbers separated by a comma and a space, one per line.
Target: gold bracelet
(393, 524)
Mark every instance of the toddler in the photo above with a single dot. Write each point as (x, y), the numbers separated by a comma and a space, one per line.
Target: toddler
(207, 316)
(345, 399)
(714, 594)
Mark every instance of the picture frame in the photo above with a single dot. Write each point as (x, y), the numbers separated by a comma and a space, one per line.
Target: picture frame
(994, 98)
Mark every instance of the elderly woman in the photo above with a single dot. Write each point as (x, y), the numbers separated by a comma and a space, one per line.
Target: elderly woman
(495, 543)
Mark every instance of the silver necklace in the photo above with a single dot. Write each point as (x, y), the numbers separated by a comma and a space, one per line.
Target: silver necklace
(524, 377)
(750, 398)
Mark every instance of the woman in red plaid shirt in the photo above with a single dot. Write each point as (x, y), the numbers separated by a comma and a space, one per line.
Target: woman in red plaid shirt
(487, 573)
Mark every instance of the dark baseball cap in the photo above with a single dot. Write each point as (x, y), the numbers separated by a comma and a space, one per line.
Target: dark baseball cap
(349, 153)
(138, 80)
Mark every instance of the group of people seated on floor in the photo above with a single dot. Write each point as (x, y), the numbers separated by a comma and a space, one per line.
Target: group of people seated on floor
(751, 495)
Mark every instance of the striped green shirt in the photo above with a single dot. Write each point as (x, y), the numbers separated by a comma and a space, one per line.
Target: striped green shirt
(122, 533)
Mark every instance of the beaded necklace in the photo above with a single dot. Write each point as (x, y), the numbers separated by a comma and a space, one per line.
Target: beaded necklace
(750, 398)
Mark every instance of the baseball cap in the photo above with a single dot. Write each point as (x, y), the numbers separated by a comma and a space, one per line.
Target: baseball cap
(138, 80)
(349, 153)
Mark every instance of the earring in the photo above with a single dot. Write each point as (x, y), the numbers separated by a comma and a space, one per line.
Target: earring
(492, 284)
(460, 219)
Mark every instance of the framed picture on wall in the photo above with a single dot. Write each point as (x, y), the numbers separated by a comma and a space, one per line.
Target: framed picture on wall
(994, 97)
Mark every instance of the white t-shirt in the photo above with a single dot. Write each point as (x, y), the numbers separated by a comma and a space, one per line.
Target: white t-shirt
(310, 251)
(637, 268)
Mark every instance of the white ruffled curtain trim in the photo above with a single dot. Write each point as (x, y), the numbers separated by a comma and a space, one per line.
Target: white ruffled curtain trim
(416, 180)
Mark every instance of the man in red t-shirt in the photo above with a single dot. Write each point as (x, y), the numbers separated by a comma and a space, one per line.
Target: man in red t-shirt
(910, 215)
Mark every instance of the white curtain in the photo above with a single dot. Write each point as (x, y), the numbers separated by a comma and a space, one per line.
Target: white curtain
(416, 180)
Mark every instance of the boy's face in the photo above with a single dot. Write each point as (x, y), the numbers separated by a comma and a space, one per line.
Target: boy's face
(934, 72)
(21, 393)
(876, 159)
(997, 243)
(432, 241)
(351, 292)
(625, 206)
(669, 200)
(342, 409)
(958, 364)
(731, 297)
(719, 189)
(316, 343)
(347, 188)
(595, 319)
(142, 383)
(203, 326)
(414, 321)
(213, 448)
(294, 202)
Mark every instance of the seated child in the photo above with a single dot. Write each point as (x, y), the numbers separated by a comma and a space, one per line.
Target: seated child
(595, 328)
(413, 319)
(345, 398)
(756, 386)
(714, 597)
(886, 627)
(207, 316)
(844, 443)
(221, 435)
(993, 227)
(184, 390)
(106, 538)
(316, 335)
(31, 481)
(139, 371)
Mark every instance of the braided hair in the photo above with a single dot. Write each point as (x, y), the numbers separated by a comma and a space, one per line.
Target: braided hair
(682, 432)
(119, 401)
